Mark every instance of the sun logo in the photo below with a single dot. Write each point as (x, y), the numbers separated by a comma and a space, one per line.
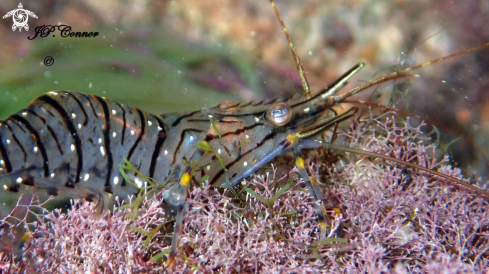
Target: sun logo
(20, 16)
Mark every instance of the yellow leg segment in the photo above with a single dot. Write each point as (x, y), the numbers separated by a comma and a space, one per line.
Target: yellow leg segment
(315, 192)
(182, 197)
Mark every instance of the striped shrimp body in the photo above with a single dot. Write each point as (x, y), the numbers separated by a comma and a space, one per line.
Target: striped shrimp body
(72, 143)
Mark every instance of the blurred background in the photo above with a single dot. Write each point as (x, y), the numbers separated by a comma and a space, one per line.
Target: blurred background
(165, 56)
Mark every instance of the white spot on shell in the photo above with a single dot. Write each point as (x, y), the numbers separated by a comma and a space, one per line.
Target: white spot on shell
(166, 152)
(35, 149)
(245, 163)
(99, 140)
(247, 136)
(102, 150)
(191, 138)
(114, 112)
(132, 132)
(53, 93)
(19, 180)
(24, 113)
(2, 162)
(219, 151)
(307, 109)
(159, 128)
(114, 134)
(208, 167)
(116, 180)
(72, 147)
(52, 175)
(150, 123)
(5, 187)
(7, 141)
(79, 126)
(257, 119)
(73, 115)
(86, 177)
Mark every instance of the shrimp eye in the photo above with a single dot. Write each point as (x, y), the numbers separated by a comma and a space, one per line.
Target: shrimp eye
(279, 114)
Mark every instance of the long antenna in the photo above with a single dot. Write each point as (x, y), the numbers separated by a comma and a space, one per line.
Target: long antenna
(305, 84)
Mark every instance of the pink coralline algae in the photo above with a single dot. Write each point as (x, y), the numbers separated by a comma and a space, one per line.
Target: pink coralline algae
(384, 218)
